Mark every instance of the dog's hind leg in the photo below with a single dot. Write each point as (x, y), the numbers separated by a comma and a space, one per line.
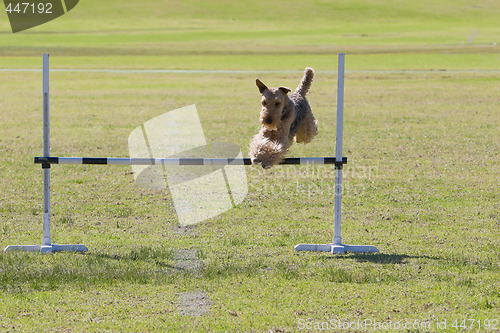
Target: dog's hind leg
(307, 129)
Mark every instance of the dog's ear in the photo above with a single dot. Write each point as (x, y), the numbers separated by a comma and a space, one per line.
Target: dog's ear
(261, 85)
(285, 90)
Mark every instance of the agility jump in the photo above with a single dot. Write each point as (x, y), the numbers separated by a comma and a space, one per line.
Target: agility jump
(46, 161)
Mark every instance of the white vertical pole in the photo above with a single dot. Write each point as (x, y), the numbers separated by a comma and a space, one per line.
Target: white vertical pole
(337, 239)
(336, 247)
(46, 153)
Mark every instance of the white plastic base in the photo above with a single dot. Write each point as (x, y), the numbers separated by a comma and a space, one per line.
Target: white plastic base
(48, 248)
(336, 249)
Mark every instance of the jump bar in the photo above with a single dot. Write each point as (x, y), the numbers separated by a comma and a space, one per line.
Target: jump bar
(180, 161)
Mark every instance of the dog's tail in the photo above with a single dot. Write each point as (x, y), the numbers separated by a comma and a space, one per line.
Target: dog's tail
(305, 84)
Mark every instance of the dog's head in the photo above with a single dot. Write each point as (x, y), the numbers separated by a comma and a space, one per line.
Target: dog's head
(274, 101)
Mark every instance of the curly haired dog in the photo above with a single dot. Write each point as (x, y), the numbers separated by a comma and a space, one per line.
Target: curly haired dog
(283, 117)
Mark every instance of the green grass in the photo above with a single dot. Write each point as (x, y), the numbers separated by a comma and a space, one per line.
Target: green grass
(250, 35)
(421, 184)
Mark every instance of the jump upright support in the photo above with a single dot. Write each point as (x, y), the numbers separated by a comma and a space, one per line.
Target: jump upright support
(336, 246)
(46, 246)
(46, 161)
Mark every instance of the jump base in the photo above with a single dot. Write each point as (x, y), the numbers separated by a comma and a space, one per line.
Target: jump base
(51, 248)
(336, 249)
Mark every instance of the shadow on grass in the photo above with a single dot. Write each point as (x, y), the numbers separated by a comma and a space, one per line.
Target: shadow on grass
(152, 265)
(144, 254)
(381, 258)
(23, 272)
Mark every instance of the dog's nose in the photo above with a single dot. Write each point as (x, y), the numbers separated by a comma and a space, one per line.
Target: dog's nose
(268, 120)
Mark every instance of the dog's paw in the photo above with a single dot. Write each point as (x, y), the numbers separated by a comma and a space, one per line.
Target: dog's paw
(266, 166)
(255, 160)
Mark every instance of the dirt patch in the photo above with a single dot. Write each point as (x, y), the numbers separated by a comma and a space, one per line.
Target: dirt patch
(187, 260)
(194, 303)
(189, 230)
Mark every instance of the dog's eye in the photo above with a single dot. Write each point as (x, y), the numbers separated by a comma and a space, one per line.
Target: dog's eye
(263, 103)
(277, 103)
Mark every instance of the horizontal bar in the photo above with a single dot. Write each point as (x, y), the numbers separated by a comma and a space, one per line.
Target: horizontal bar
(180, 161)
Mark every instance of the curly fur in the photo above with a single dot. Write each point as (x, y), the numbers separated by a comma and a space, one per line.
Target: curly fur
(266, 152)
(283, 118)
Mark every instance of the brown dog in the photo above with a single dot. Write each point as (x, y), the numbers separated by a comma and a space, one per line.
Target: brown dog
(283, 117)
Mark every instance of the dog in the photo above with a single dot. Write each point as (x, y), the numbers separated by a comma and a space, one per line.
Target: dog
(284, 118)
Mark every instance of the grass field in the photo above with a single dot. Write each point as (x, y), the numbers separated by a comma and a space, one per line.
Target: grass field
(422, 119)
